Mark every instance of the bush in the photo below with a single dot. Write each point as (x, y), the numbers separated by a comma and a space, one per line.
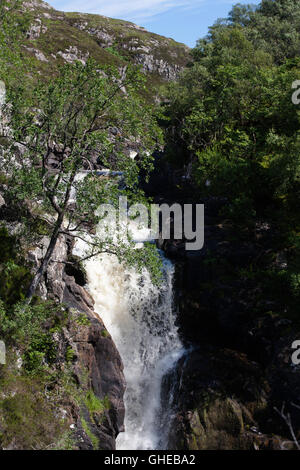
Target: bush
(27, 419)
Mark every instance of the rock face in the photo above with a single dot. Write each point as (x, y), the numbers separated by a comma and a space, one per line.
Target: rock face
(55, 37)
(233, 385)
(98, 367)
(33, 4)
(36, 29)
(96, 363)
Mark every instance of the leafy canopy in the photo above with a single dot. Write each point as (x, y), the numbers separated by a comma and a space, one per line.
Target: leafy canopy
(232, 113)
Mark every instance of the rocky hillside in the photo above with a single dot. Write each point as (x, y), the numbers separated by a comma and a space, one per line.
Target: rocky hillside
(55, 37)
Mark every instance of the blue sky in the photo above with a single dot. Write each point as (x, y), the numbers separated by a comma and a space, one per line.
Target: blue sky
(183, 20)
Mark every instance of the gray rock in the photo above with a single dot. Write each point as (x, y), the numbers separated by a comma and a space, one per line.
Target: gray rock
(2, 201)
(36, 29)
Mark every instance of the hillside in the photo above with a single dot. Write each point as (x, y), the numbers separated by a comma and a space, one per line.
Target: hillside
(55, 37)
(111, 339)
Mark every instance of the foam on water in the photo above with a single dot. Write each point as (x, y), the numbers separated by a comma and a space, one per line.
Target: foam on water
(141, 320)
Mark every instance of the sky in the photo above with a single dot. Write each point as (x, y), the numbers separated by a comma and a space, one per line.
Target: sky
(183, 20)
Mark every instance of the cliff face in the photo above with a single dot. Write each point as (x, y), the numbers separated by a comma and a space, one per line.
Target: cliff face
(228, 391)
(98, 370)
(55, 37)
(83, 406)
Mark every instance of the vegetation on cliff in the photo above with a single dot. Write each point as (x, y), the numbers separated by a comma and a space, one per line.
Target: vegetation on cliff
(76, 88)
(232, 127)
(53, 38)
(231, 117)
(52, 131)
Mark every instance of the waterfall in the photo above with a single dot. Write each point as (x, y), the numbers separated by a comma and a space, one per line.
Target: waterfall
(140, 317)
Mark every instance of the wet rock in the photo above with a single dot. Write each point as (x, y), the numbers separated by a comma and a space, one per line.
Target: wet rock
(222, 401)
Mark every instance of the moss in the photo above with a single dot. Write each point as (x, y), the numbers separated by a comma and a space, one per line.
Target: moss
(220, 425)
(82, 320)
(63, 32)
(94, 440)
(27, 418)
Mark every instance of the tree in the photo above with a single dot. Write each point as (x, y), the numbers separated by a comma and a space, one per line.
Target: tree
(82, 115)
(14, 22)
(232, 110)
(241, 14)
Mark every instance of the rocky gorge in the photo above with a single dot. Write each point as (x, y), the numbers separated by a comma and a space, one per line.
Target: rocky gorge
(198, 361)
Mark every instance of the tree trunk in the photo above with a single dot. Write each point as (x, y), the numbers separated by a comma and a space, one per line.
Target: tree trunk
(45, 262)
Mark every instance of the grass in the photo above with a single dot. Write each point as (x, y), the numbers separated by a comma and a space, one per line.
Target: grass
(94, 440)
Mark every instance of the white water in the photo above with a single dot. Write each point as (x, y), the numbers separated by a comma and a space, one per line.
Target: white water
(141, 320)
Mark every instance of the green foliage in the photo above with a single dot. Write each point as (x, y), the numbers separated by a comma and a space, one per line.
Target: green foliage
(26, 418)
(14, 280)
(82, 320)
(13, 26)
(147, 257)
(70, 354)
(232, 118)
(104, 333)
(114, 50)
(15, 275)
(30, 328)
(94, 440)
(86, 113)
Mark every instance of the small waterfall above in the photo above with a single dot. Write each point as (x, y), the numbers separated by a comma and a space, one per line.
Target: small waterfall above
(140, 317)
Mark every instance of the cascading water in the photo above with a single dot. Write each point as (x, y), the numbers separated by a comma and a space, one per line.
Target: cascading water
(141, 320)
